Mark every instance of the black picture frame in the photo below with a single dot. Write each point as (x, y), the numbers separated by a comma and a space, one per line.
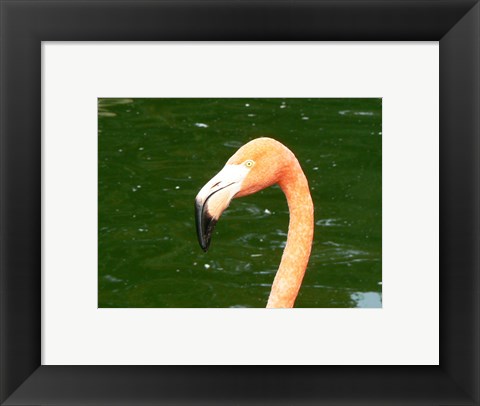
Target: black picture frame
(24, 24)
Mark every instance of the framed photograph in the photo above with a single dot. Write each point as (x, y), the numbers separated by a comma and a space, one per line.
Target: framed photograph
(171, 169)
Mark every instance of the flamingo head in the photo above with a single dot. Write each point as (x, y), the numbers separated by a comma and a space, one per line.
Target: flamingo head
(257, 165)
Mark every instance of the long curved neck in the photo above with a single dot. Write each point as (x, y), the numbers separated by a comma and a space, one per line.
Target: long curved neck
(296, 254)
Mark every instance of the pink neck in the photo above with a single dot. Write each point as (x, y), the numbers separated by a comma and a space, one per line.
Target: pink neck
(296, 254)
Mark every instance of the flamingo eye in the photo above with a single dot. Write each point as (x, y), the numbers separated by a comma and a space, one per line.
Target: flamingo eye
(249, 163)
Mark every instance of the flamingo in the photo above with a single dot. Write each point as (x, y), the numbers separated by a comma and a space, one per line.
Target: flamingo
(257, 165)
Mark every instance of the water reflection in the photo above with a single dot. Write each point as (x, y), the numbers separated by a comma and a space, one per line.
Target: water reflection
(367, 299)
(105, 104)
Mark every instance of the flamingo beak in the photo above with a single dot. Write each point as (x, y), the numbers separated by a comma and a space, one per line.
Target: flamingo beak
(214, 198)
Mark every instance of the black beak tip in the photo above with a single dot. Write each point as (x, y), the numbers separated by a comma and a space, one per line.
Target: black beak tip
(205, 225)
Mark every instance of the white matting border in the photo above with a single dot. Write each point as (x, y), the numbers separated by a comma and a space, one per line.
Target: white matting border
(404, 332)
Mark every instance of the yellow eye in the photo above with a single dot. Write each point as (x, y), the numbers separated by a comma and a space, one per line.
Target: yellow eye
(249, 163)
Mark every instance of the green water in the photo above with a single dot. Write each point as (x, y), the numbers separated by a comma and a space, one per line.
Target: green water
(154, 156)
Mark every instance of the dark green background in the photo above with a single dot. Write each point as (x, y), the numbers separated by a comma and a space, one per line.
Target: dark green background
(154, 156)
